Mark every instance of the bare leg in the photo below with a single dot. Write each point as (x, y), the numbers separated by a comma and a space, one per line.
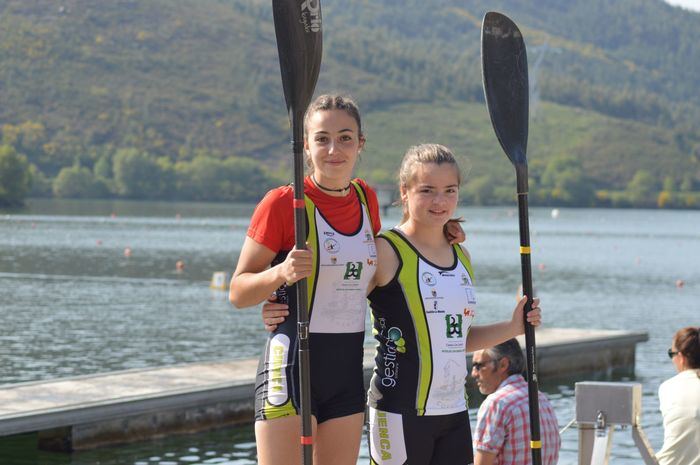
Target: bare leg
(337, 441)
(278, 440)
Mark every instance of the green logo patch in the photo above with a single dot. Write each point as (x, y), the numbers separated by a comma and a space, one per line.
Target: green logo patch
(453, 325)
(353, 270)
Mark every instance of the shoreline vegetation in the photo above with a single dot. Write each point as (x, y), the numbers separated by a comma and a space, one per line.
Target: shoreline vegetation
(603, 199)
(577, 159)
(152, 101)
(135, 175)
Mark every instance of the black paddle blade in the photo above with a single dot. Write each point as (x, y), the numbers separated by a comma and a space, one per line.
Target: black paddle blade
(504, 67)
(298, 31)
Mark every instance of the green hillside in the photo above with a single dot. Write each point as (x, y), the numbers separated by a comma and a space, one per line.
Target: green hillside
(609, 151)
(181, 99)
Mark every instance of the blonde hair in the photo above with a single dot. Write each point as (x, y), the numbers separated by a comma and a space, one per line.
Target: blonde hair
(422, 154)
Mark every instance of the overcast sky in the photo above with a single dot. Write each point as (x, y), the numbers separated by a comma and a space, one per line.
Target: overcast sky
(689, 4)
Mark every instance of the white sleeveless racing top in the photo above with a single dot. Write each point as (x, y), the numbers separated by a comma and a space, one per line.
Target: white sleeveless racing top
(344, 266)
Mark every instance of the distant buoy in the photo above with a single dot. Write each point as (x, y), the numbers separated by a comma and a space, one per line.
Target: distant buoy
(555, 213)
(219, 280)
(680, 283)
(113, 215)
(637, 261)
(98, 242)
(179, 265)
(127, 252)
(541, 267)
(178, 216)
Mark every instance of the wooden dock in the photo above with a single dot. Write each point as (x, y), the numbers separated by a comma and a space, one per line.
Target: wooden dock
(91, 411)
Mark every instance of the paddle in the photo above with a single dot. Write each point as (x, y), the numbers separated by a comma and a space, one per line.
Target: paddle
(504, 66)
(298, 31)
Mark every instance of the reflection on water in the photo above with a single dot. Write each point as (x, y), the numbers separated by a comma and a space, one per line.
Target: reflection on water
(222, 447)
(73, 304)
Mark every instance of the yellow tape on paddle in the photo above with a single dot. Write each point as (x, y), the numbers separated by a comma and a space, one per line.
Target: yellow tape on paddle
(535, 444)
(524, 250)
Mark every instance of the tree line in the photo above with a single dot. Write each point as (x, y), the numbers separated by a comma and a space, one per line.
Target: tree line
(31, 165)
(133, 174)
(562, 181)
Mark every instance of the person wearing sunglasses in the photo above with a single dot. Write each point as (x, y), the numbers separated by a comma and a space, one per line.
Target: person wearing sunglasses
(503, 422)
(679, 401)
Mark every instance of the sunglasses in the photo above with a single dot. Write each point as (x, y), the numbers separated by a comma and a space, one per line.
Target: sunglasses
(479, 365)
(672, 353)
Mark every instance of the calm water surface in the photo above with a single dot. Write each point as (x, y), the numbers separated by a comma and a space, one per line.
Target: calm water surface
(71, 303)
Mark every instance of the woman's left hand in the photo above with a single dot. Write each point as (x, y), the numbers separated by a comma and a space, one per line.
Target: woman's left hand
(273, 313)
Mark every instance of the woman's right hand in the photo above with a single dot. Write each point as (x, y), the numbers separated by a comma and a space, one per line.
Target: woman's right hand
(534, 316)
(274, 313)
(298, 265)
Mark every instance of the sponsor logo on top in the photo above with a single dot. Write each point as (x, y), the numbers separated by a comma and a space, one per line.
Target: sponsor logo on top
(372, 250)
(453, 325)
(428, 278)
(331, 246)
(353, 270)
(471, 298)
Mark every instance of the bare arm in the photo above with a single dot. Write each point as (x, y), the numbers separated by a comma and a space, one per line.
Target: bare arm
(484, 458)
(254, 280)
(387, 264)
(482, 337)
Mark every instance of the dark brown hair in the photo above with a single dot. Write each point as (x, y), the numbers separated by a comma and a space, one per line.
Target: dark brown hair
(327, 102)
(687, 342)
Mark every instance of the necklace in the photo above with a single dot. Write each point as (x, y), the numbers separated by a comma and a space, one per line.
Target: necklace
(342, 189)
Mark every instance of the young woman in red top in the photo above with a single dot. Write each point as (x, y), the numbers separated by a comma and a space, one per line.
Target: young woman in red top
(343, 218)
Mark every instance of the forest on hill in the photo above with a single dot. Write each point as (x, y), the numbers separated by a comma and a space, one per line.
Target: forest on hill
(181, 99)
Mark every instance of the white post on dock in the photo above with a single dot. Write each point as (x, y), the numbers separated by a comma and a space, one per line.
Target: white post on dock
(599, 407)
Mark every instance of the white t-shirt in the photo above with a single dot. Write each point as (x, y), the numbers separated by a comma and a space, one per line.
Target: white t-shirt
(679, 400)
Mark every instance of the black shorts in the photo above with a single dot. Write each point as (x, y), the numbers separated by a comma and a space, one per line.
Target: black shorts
(419, 440)
(337, 384)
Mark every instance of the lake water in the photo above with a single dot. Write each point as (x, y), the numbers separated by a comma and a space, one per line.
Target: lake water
(71, 303)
